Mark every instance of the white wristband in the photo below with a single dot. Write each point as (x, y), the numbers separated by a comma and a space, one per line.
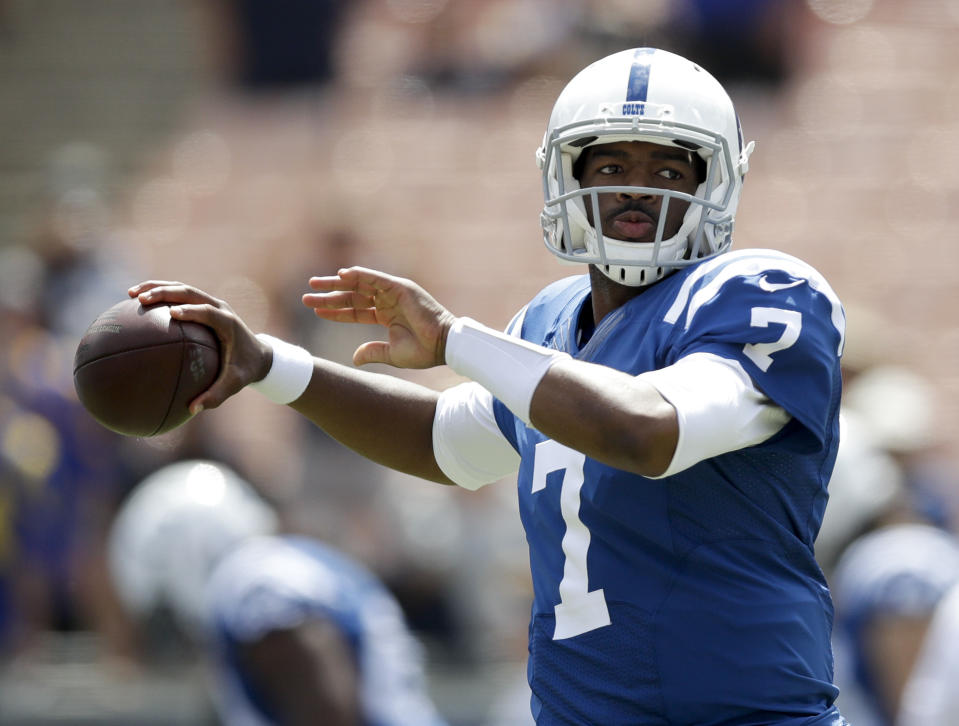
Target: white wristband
(507, 367)
(289, 374)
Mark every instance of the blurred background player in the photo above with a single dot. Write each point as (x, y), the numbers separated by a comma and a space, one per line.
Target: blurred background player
(866, 491)
(930, 695)
(294, 632)
(887, 586)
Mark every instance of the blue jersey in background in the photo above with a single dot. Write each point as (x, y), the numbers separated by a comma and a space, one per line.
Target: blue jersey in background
(274, 583)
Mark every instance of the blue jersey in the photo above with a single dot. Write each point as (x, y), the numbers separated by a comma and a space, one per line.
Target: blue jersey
(275, 583)
(695, 598)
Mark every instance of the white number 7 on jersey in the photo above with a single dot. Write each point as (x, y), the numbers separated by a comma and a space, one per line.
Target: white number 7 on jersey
(579, 610)
(760, 353)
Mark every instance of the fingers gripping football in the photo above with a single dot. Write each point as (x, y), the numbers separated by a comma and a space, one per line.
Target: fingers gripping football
(244, 358)
(417, 325)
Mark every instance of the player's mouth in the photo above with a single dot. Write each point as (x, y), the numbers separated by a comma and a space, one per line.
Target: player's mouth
(633, 226)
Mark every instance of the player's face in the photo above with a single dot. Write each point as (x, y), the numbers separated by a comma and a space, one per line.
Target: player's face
(634, 217)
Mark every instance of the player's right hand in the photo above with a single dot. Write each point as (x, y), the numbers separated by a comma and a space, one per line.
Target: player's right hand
(416, 323)
(243, 358)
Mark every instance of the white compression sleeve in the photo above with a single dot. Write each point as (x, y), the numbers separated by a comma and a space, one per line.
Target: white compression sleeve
(468, 445)
(718, 405)
(289, 374)
(506, 366)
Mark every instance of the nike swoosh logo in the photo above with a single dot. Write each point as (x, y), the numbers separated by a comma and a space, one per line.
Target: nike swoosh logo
(768, 286)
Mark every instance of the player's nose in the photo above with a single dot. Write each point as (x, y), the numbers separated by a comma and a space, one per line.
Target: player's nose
(641, 192)
(639, 178)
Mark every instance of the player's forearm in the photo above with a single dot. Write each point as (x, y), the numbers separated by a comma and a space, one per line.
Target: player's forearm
(606, 414)
(386, 419)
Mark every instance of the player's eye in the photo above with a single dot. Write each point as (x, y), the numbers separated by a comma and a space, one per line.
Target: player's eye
(609, 169)
(670, 174)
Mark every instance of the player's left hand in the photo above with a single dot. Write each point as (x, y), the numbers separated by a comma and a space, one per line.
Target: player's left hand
(417, 324)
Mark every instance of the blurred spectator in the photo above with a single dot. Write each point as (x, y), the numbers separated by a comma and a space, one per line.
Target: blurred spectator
(886, 587)
(261, 45)
(741, 42)
(295, 631)
(59, 473)
(74, 239)
(473, 47)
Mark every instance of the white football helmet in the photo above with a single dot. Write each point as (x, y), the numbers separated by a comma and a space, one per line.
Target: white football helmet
(171, 531)
(651, 95)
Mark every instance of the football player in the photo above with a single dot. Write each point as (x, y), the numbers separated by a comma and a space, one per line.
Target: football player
(295, 632)
(930, 694)
(672, 414)
(888, 584)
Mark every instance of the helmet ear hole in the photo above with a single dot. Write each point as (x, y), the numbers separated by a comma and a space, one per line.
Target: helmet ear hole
(699, 163)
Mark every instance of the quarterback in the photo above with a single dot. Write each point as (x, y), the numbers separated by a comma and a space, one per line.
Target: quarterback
(671, 416)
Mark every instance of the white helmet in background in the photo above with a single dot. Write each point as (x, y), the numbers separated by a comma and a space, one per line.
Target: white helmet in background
(171, 531)
(866, 483)
(654, 96)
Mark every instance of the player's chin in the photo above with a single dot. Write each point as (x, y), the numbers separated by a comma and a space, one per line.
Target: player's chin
(632, 233)
(639, 240)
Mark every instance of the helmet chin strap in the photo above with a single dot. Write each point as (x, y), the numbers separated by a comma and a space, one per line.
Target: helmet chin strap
(638, 275)
(633, 275)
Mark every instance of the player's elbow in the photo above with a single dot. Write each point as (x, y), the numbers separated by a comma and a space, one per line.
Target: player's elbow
(649, 443)
(644, 432)
(610, 416)
(640, 443)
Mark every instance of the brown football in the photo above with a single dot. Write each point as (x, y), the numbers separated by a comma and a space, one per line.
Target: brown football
(136, 369)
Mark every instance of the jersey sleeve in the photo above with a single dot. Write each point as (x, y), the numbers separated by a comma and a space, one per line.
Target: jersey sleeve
(467, 442)
(718, 408)
(775, 316)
